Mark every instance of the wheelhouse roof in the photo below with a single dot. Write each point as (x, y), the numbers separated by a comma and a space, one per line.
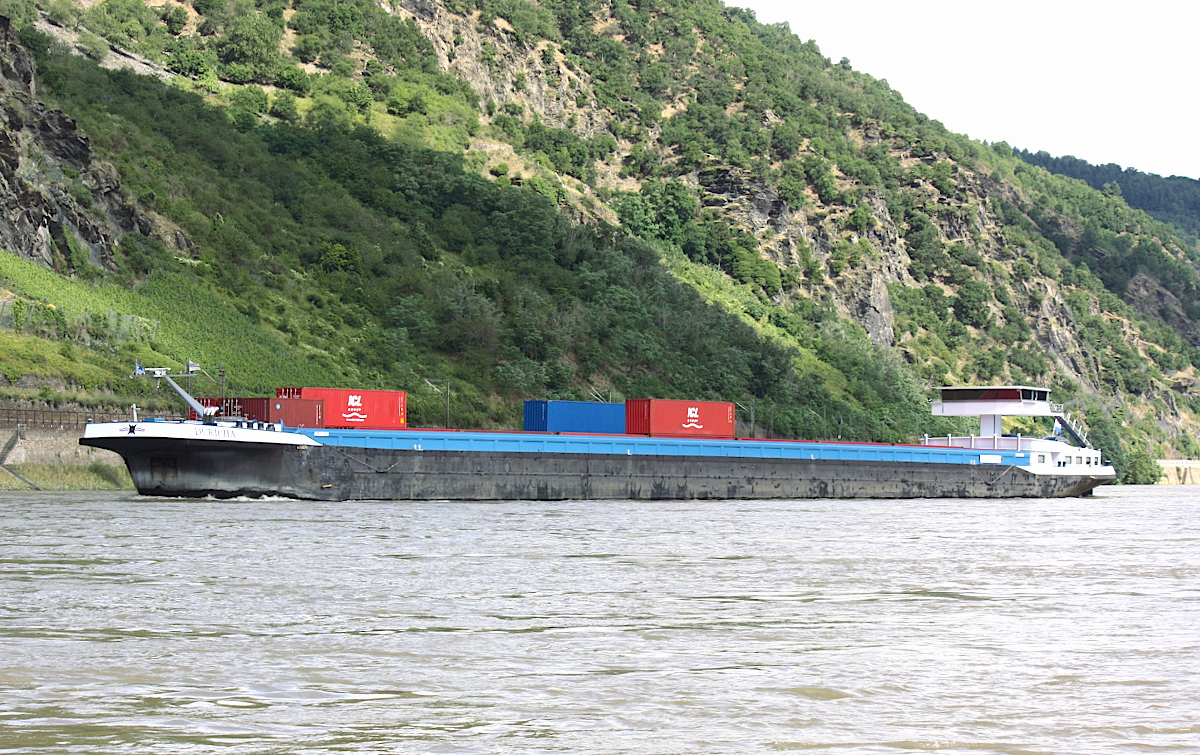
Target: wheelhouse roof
(994, 393)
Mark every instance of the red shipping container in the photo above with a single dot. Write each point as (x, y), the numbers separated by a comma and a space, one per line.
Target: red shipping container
(297, 412)
(349, 408)
(238, 408)
(679, 419)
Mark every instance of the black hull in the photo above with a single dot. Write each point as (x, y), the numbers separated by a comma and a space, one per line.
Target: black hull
(224, 470)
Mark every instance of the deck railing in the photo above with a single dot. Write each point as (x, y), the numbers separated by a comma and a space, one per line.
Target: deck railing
(982, 442)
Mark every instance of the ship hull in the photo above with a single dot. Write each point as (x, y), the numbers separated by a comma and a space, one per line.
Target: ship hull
(199, 467)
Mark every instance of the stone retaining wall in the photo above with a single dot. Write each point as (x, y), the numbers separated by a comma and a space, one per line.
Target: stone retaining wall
(1180, 472)
(54, 447)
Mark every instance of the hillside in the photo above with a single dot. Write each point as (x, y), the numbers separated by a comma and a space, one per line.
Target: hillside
(1174, 199)
(561, 200)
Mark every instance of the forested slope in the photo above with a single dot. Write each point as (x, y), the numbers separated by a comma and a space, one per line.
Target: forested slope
(1174, 199)
(570, 199)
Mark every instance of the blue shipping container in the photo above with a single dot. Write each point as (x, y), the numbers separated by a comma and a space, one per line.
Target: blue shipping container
(574, 417)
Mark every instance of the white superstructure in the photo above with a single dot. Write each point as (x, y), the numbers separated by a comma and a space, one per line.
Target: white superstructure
(1048, 455)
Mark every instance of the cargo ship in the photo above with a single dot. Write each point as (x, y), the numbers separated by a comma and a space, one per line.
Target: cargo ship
(663, 449)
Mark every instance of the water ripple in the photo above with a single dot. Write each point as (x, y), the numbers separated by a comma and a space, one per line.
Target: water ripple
(183, 627)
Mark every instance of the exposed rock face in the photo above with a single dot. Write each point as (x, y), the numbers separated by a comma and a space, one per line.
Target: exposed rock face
(504, 69)
(425, 10)
(750, 202)
(756, 201)
(1147, 295)
(871, 305)
(54, 198)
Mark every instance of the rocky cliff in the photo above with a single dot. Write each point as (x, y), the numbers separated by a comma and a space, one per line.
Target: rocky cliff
(971, 205)
(896, 253)
(534, 77)
(60, 206)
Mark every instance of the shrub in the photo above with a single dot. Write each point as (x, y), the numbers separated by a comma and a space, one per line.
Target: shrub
(862, 219)
(971, 304)
(1141, 469)
(284, 107)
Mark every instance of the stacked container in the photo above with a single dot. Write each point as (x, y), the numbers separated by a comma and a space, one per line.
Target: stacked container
(293, 412)
(679, 419)
(355, 409)
(575, 417)
(297, 412)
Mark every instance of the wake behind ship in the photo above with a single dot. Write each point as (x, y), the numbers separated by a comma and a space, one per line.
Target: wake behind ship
(241, 457)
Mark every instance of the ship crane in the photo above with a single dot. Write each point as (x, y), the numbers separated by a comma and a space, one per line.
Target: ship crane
(207, 412)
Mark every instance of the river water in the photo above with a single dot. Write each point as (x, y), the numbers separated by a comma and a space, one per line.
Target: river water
(148, 625)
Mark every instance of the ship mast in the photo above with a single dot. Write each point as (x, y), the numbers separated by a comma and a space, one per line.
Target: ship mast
(207, 412)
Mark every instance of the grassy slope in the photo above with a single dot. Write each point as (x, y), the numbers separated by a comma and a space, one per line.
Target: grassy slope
(195, 322)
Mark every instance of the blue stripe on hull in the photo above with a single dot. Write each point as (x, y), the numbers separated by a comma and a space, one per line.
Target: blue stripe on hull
(440, 440)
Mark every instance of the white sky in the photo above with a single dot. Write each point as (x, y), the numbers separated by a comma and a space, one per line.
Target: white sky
(1105, 82)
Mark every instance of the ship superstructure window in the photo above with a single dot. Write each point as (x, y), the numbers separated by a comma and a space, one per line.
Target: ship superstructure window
(1041, 458)
(994, 393)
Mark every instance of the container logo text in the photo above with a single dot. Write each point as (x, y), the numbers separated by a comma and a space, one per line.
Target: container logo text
(693, 418)
(354, 411)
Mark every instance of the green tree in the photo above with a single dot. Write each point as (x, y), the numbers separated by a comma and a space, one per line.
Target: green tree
(661, 210)
(405, 99)
(820, 175)
(251, 44)
(971, 304)
(411, 313)
(93, 46)
(293, 78)
(925, 248)
(862, 219)
(175, 17)
(335, 257)
(785, 141)
(327, 113)
(283, 107)
(125, 22)
(941, 177)
(251, 98)
(192, 62)
(307, 48)
(1141, 469)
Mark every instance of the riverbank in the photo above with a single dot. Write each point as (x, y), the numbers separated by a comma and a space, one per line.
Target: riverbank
(95, 476)
(54, 460)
